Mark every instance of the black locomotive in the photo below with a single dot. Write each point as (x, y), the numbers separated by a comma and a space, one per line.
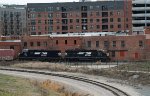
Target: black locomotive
(70, 55)
(86, 55)
(42, 55)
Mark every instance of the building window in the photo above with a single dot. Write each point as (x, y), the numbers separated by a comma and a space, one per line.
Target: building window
(104, 8)
(25, 44)
(75, 42)
(106, 44)
(39, 15)
(39, 21)
(114, 44)
(71, 26)
(84, 15)
(38, 44)
(97, 14)
(118, 12)
(33, 22)
(111, 13)
(91, 7)
(122, 43)
(39, 27)
(104, 14)
(65, 41)
(32, 15)
(71, 20)
(56, 42)
(77, 21)
(111, 26)
(77, 27)
(97, 20)
(91, 26)
(127, 26)
(11, 47)
(31, 44)
(141, 44)
(50, 28)
(58, 8)
(104, 27)
(39, 33)
(105, 20)
(97, 6)
(63, 9)
(113, 54)
(119, 19)
(119, 25)
(89, 44)
(50, 15)
(127, 20)
(45, 21)
(84, 27)
(50, 8)
(97, 44)
(83, 8)
(91, 20)
(50, 21)
(45, 28)
(84, 20)
(111, 19)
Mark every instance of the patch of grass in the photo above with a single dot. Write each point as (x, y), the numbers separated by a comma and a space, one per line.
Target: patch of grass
(12, 86)
(135, 66)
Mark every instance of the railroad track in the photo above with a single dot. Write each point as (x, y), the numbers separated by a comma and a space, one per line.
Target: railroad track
(114, 90)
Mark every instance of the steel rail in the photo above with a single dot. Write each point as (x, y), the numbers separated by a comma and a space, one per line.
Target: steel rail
(114, 90)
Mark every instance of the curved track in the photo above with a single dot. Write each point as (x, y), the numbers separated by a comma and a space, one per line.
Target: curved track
(114, 90)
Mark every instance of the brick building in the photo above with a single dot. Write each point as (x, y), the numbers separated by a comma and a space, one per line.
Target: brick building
(121, 47)
(11, 44)
(95, 16)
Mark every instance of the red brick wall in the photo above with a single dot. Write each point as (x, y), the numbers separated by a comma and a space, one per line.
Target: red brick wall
(16, 46)
(124, 14)
(131, 50)
(122, 53)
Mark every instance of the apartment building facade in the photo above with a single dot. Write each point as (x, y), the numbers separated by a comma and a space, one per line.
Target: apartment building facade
(69, 17)
(13, 20)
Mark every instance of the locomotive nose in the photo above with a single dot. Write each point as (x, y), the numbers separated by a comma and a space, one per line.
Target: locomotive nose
(65, 54)
(59, 54)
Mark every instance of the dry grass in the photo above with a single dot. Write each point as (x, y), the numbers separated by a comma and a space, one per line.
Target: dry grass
(143, 78)
(56, 87)
(14, 86)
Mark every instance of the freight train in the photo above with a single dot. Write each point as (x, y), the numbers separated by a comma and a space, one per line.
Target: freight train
(69, 55)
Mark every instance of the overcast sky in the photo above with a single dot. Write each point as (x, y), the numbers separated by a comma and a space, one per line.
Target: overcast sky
(32, 1)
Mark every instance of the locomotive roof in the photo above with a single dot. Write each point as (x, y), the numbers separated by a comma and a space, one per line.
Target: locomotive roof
(84, 34)
(10, 41)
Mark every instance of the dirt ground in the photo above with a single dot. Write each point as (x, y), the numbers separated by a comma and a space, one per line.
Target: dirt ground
(133, 77)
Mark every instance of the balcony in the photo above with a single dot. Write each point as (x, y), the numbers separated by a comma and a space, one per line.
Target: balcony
(141, 15)
(140, 21)
(140, 8)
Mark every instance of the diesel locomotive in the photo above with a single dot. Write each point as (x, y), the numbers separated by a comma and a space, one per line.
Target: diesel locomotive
(69, 55)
